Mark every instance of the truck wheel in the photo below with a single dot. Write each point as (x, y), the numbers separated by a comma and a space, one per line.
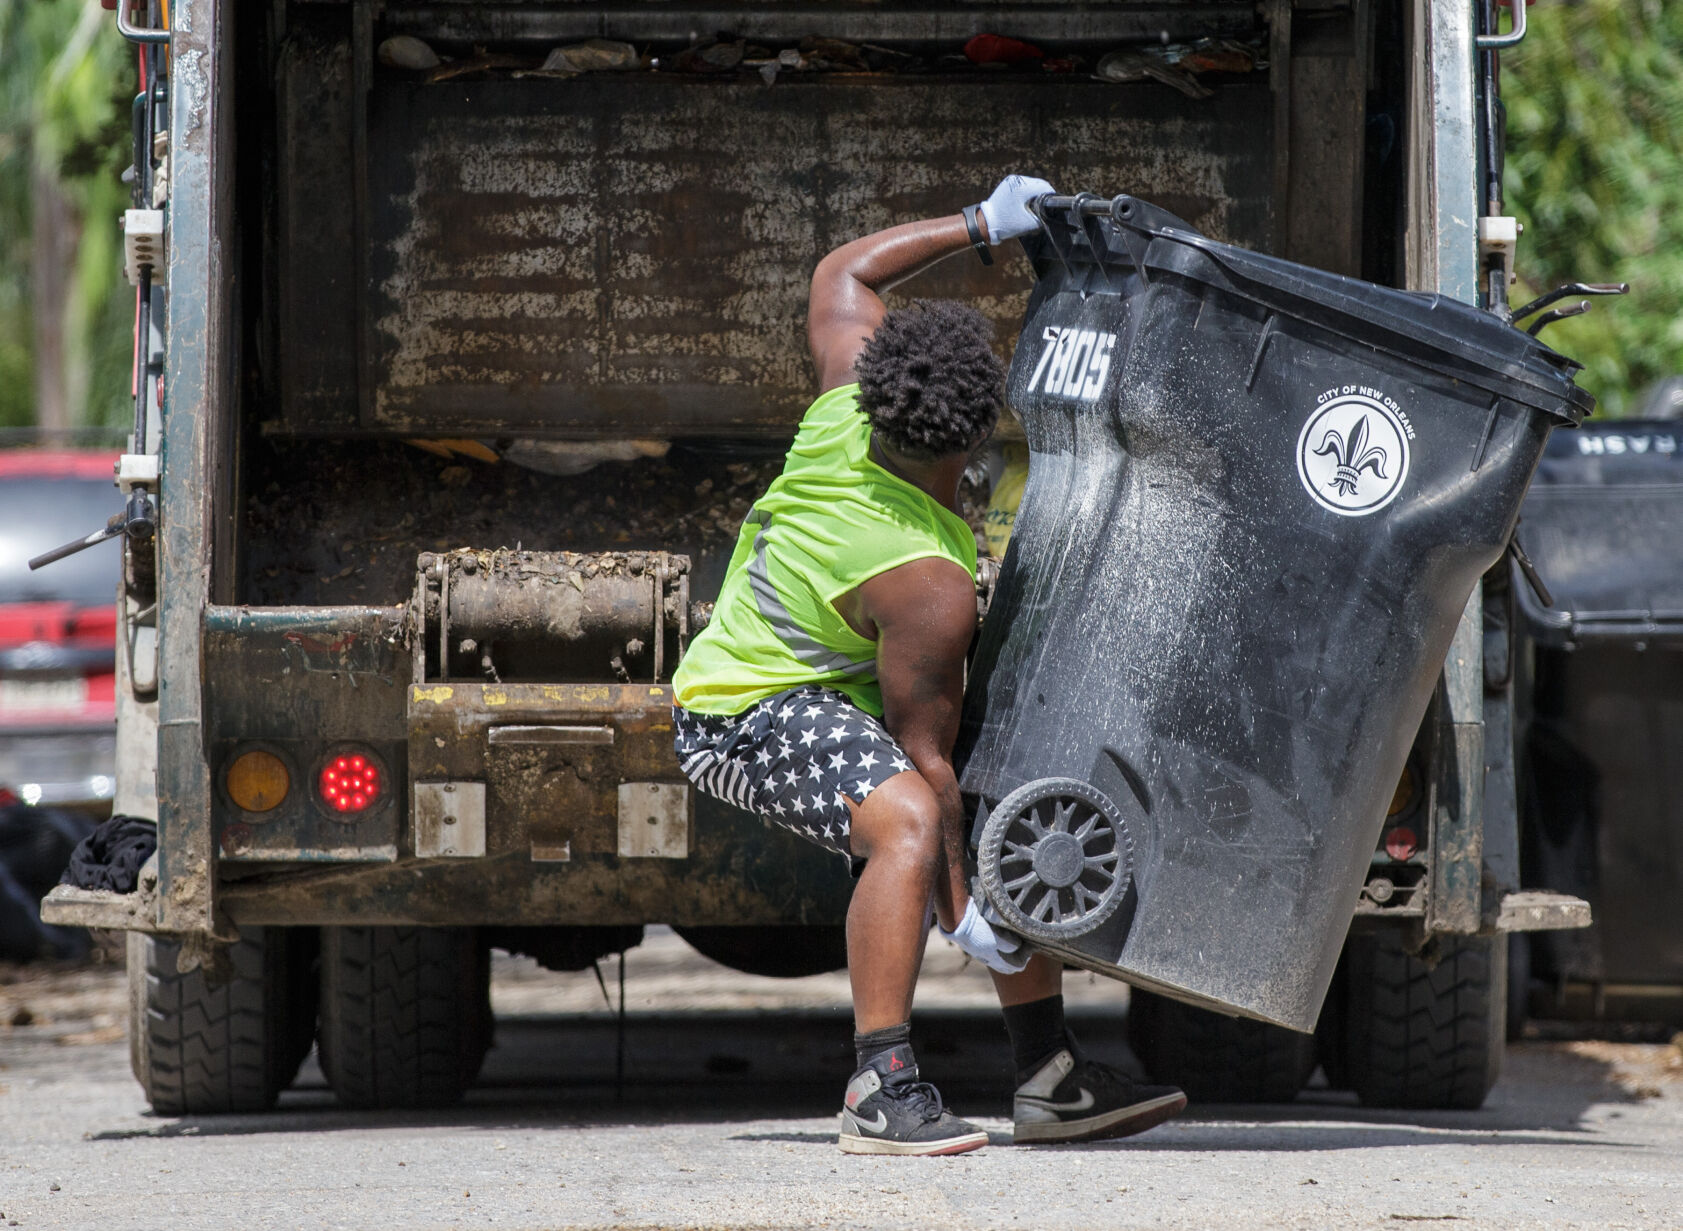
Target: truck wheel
(199, 1047)
(405, 1014)
(1215, 1058)
(1425, 1031)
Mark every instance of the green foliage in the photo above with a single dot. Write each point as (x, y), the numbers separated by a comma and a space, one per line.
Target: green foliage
(66, 81)
(1595, 172)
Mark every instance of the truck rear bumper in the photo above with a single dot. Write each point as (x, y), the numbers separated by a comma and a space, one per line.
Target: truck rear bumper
(513, 804)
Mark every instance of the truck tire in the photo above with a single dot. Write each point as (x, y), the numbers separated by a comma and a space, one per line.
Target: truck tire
(1425, 1031)
(405, 1014)
(201, 1047)
(1215, 1058)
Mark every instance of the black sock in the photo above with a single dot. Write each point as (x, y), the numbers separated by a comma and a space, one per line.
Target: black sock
(879, 1043)
(1037, 1032)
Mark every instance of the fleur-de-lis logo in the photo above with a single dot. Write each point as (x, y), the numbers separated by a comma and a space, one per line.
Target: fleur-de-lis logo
(1353, 451)
(1354, 455)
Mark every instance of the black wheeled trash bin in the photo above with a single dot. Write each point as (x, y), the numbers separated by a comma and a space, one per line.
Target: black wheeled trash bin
(1259, 498)
(1601, 762)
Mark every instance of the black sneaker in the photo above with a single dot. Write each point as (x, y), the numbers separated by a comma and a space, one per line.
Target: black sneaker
(892, 1112)
(1077, 1100)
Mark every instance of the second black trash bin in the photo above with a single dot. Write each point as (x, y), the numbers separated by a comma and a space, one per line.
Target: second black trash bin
(1601, 760)
(1259, 498)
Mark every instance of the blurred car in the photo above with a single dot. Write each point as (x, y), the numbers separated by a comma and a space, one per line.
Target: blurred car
(58, 629)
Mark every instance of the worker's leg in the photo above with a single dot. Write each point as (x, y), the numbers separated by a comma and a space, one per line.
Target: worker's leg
(897, 831)
(1033, 1005)
(1041, 978)
(812, 761)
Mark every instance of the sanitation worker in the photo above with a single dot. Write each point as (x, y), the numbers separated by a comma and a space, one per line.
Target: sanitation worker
(825, 693)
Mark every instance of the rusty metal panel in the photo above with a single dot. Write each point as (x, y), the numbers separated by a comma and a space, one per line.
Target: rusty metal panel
(550, 792)
(628, 256)
(317, 285)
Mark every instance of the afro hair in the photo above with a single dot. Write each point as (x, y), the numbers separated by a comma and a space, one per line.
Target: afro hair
(929, 380)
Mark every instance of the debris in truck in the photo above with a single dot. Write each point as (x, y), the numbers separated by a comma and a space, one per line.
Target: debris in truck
(407, 51)
(1132, 65)
(886, 59)
(709, 57)
(997, 49)
(597, 55)
(568, 457)
(834, 54)
(453, 446)
(1171, 63)
(482, 61)
(1214, 55)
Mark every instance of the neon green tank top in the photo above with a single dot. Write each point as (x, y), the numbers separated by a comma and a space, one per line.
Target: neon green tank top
(832, 520)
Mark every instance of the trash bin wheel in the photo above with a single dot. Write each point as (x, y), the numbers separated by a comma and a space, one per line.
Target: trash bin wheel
(405, 1014)
(1216, 1058)
(1055, 859)
(200, 1044)
(1425, 1030)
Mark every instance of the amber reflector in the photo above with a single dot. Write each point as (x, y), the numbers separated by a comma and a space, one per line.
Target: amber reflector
(1404, 795)
(258, 781)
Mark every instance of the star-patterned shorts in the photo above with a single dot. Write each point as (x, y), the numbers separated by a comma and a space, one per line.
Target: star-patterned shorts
(795, 759)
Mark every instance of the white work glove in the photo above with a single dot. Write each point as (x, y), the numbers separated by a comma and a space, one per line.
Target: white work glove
(1006, 212)
(995, 950)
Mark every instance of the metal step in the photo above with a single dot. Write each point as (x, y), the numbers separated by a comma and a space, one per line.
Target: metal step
(1540, 910)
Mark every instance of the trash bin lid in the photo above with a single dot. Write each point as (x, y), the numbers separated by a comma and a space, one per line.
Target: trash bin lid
(1441, 334)
(1602, 522)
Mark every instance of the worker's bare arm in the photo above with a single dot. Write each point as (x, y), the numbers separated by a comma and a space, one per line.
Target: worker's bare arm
(845, 304)
(924, 615)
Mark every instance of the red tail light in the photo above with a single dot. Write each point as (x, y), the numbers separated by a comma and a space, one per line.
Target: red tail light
(1401, 843)
(349, 782)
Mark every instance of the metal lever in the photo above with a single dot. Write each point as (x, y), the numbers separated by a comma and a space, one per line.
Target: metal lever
(137, 34)
(1559, 314)
(138, 521)
(1571, 288)
(1495, 42)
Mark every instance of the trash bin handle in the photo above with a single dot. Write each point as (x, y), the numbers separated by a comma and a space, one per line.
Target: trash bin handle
(1092, 231)
(1086, 210)
(1038, 208)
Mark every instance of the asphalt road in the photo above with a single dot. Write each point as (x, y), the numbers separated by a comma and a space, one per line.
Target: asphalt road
(725, 1118)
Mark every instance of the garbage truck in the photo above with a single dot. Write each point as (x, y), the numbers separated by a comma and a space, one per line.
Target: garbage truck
(467, 334)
